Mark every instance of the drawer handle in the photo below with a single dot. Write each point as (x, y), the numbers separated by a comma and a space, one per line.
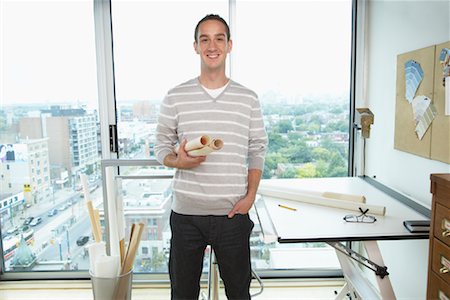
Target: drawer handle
(443, 270)
(445, 233)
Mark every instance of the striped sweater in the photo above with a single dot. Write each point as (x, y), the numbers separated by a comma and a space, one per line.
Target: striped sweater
(188, 112)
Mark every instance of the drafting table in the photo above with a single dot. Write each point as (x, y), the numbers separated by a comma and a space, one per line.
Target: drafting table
(314, 223)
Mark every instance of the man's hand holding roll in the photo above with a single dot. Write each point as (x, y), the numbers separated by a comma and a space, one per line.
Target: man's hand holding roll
(182, 160)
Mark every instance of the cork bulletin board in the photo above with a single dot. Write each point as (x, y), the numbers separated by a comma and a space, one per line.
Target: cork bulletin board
(440, 133)
(435, 142)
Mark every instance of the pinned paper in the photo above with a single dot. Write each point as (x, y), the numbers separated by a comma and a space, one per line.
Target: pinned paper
(444, 59)
(447, 96)
(413, 77)
(424, 113)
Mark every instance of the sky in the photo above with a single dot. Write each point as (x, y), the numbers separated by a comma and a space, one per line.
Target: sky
(292, 47)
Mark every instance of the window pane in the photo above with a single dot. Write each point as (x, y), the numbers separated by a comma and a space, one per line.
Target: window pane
(48, 133)
(153, 52)
(296, 56)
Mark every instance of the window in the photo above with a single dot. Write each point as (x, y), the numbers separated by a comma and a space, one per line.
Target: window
(48, 79)
(298, 63)
(306, 111)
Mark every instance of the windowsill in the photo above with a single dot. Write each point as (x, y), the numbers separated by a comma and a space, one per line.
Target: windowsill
(81, 289)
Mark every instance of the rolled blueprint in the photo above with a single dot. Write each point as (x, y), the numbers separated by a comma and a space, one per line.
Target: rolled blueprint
(282, 193)
(202, 146)
(326, 194)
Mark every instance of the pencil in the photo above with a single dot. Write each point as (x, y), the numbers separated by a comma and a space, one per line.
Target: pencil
(287, 207)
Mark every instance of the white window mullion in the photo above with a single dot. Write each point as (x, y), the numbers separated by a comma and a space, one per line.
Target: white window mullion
(105, 73)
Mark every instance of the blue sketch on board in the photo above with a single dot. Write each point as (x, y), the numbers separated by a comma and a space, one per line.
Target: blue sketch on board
(413, 76)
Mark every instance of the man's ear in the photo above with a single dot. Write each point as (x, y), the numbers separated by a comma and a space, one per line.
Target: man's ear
(196, 48)
(230, 45)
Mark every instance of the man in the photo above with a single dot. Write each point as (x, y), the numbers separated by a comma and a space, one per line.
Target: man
(212, 195)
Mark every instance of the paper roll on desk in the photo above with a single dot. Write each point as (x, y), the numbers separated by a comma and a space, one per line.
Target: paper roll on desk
(326, 194)
(202, 146)
(291, 194)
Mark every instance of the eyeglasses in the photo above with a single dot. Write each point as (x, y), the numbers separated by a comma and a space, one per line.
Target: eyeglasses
(362, 218)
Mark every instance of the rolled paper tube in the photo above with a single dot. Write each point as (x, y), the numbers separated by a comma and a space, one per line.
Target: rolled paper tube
(281, 193)
(95, 250)
(107, 266)
(216, 144)
(120, 219)
(348, 197)
(337, 196)
(112, 212)
(196, 143)
(200, 152)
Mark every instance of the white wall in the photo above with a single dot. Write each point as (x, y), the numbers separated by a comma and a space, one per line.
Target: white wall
(395, 27)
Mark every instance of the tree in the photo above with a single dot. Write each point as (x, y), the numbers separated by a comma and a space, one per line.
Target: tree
(320, 154)
(289, 173)
(297, 153)
(272, 161)
(307, 171)
(276, 142)
(284, 126)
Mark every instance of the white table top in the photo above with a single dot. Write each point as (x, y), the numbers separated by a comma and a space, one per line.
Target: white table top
(314, 223)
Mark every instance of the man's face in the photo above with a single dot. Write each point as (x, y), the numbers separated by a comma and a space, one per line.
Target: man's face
(212, 45)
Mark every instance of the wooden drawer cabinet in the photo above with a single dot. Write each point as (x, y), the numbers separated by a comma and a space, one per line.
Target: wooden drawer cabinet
(440, 261)
(439, 257)
(442, 224)
(437, 288)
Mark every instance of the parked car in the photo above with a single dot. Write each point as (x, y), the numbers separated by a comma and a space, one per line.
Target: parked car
(52, 212)
(13, 231)
(28, 221)
(63, 207)
(82, 240)
(36, 221)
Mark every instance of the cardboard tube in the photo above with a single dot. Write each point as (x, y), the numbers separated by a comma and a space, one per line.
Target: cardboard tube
(281, 193)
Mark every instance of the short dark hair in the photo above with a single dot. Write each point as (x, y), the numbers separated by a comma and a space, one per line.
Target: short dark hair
(212, 17)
